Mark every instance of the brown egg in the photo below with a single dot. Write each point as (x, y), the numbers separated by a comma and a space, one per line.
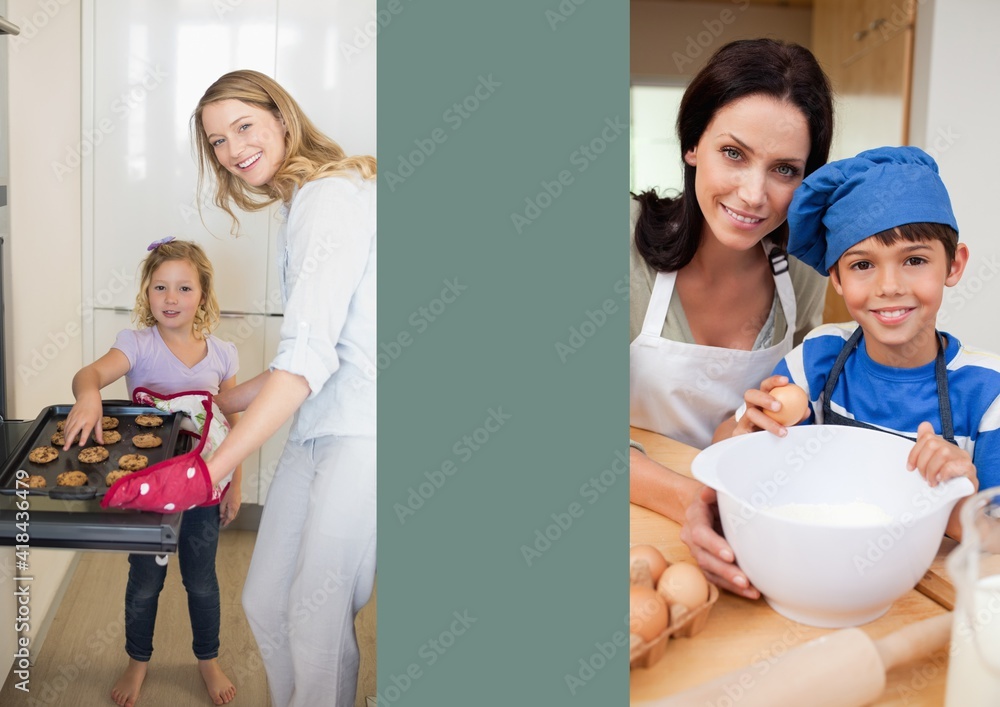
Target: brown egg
(634, 641)
(794, 402)
(683, 584)
(647, 613)
(653, 557)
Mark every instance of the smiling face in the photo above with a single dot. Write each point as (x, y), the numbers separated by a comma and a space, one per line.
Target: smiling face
(894, 292)
(248, 141)
(749, 161)
(174, 295)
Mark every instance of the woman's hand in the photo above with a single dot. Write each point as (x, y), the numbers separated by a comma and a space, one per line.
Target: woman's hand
(701, 533)
(754, 418)
(84, 418)
(658, 488)
(938, 460)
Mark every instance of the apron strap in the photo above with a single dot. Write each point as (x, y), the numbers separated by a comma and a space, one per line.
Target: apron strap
(663, 290)
(944, 400)
(940, 376)
(838, 366)
(659, 302)
(778, 259)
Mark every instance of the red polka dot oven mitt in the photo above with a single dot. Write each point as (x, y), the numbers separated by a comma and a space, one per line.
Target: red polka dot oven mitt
(181, 482)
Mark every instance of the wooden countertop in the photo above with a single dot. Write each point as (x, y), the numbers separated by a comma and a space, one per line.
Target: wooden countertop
(742, 633)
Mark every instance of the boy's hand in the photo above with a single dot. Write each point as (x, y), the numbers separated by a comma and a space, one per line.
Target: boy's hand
(701, 533)
(84, 418)
(754, 418)
(938, 460)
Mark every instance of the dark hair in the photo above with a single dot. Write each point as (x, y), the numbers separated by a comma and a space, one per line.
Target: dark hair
(668, 229)
(918, 233)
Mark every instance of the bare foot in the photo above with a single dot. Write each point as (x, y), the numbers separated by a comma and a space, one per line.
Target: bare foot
(220, 688)
(125, 693)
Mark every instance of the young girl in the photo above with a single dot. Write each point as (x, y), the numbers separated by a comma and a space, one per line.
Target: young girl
(171, 351)
(317, 532)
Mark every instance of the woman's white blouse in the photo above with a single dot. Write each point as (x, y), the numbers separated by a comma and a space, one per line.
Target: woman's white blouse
(326, 252)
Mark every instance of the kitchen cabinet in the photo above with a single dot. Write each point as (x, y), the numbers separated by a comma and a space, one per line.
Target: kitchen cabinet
(150, 63)
(866, 48)
(326, 59)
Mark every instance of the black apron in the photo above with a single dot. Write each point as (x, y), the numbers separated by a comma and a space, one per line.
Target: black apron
(940, 376)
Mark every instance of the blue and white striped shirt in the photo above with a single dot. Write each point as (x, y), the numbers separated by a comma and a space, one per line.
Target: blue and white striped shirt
(899, 399)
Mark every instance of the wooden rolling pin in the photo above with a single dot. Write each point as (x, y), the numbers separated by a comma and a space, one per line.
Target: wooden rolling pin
(937, 588)
(842, 669)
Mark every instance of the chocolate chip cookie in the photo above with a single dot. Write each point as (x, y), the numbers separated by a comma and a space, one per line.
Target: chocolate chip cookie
(61, 425)
(71, 478)
(58, 438)
(43, 455)
(36, 482)
(112, 436)
(133, 462)
(149, 420)
(146, 440)
(115, 475)
(93, 455)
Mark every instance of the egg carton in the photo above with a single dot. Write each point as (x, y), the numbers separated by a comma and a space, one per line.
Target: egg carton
(643, 654)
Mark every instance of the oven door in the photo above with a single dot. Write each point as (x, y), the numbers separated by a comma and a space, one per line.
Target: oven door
(79, 525)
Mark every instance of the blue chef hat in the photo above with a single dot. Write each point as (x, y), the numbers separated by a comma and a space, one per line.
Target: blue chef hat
(845, 202)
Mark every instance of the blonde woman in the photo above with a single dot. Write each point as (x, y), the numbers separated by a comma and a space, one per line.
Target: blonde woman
(313, 565)
(172, 351)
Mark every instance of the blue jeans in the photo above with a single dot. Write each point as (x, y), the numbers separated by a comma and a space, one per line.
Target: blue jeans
(197, 543)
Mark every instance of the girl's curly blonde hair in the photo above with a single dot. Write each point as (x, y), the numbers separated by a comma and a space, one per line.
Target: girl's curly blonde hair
(207, 316)
(309, 154)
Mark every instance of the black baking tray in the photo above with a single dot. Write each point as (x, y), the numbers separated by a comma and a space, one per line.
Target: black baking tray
(40, 433)
(82, 524)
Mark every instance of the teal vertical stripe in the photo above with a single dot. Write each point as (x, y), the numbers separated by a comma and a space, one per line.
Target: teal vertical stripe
(503, 364)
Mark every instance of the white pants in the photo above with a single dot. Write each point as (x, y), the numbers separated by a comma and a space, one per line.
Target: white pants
(313, 569)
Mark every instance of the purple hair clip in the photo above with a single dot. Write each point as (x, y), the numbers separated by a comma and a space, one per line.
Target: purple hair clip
(156, 244)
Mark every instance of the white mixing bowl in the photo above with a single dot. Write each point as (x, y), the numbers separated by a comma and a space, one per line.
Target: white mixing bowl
(827, 522)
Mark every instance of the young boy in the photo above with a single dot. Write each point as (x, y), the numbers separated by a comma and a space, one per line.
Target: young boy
(882, 226)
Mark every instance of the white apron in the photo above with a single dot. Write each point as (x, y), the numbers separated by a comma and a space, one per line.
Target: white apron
(684, 391)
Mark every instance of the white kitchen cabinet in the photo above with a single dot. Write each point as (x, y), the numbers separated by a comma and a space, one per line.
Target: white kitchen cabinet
(326, 59)
(151, 63)
(107, 324)
(255, 345)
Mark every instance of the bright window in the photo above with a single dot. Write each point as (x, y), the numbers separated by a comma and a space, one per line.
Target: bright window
(655, 150)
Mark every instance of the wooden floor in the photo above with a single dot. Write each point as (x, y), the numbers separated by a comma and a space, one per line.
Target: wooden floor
(84, 650)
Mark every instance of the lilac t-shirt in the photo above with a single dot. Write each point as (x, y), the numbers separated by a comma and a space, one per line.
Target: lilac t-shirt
(153, 365)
